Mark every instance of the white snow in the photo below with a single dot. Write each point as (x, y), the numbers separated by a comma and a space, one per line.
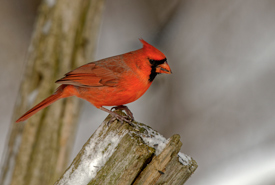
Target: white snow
(153, 139)
(32, 97)
(47, 26)
(50, 2)
(96, 154)
(184, 159)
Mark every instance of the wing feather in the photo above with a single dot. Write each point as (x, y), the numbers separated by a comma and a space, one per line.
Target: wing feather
(105, 72)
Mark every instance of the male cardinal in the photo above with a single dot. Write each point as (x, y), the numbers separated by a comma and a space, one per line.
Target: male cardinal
(113, 81)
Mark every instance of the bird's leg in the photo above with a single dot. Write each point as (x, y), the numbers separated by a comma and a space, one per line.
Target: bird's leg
(116, 116)
(126, 109)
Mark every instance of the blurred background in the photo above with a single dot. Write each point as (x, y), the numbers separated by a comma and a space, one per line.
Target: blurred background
(220, 97)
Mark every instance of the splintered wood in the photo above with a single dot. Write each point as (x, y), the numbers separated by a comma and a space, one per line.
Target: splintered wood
(124, 154)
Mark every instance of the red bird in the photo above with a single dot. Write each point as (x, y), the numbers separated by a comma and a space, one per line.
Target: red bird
(113, 81)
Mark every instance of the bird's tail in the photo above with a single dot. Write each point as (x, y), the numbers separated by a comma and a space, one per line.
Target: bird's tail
(51, 99)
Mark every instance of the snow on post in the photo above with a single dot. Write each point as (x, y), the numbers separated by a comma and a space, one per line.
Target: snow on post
(124, 154)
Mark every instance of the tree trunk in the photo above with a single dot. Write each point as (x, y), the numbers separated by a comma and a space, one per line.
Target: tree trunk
(123, 154)
(64, 37)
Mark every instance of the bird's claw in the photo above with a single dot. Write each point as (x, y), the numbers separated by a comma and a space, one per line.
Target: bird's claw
(126, 109)
(129, 118)
(121, 119)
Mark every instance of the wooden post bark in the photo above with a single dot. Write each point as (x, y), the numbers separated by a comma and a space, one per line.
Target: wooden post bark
(123, 154)
(64, 37)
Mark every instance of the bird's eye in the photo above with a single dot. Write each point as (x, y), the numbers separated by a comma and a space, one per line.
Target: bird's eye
(157, 62)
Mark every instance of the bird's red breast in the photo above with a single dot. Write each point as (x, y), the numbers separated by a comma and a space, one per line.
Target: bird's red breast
(116, 80)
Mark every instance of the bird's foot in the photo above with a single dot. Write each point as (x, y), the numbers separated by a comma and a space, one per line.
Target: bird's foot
(120, 117)
(126, 109)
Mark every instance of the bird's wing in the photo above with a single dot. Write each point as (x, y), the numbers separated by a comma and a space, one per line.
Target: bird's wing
(105, 72)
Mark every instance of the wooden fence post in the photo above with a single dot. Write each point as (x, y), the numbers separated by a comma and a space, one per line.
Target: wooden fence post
(123, 154)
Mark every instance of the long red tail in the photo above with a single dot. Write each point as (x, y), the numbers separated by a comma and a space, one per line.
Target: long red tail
(51, 99)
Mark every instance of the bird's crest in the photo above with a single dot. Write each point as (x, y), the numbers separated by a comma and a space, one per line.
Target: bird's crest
(151, 51)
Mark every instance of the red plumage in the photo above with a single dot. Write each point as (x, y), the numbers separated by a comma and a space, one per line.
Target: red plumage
(113, 81)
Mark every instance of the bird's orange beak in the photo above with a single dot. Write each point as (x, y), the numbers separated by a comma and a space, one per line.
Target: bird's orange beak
(163, 68)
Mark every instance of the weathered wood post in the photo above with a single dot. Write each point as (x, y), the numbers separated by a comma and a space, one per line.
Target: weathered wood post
(64, 37)
(123, 154)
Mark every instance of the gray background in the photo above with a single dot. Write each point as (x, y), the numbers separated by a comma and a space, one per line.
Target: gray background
(220, 97)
